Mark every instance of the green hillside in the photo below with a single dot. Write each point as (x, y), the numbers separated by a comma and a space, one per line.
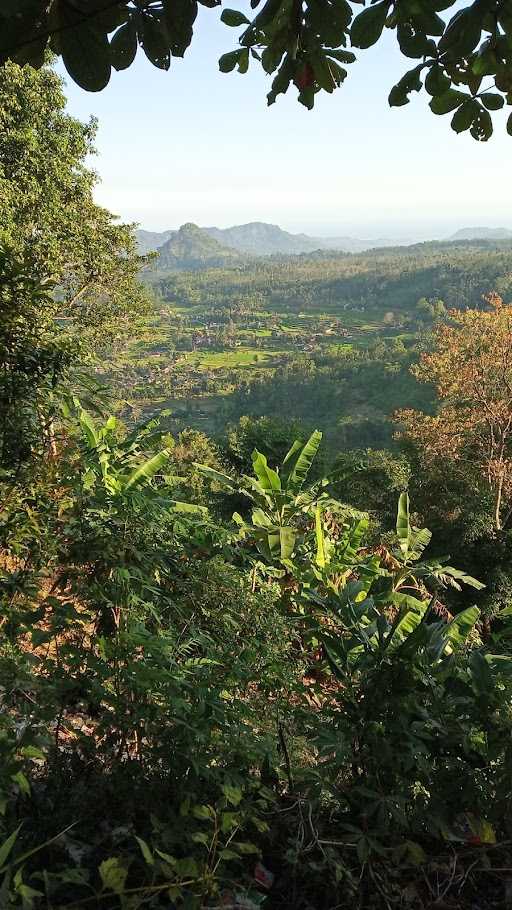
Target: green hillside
(192, 248)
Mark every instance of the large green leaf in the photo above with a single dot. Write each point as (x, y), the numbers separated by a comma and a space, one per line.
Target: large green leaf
(228, 61)
(443, 104)
(7, 846)
(123, 46)
(155, 40)
(180, 16)
(320, 541)
(234, 18)
(148, 469)
(268, 478)
(88, 429)
(457, 575)
(367, 26)
(459, 628)
(261, 520)
(420, 539)
(403, 524)
(287, 539)
(85, 50)
(289, 460)
(405, 626)
(463, 32)
(303, 461)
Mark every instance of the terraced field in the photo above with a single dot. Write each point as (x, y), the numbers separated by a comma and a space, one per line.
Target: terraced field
(221, 334)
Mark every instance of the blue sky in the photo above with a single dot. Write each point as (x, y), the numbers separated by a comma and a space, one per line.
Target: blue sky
(193, 144)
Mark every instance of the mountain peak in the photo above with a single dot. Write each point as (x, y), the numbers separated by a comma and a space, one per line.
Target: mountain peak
(192, 248)
(256, 238)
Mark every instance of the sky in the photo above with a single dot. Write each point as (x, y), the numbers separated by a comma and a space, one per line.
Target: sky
(192, 144)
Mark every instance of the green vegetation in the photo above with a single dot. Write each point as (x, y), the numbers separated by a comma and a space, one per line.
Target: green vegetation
(192, 248)
(325, 338)
(299, 43)
(241, 672)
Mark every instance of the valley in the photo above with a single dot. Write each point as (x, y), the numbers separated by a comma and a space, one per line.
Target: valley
(319, 335)
(255, 485)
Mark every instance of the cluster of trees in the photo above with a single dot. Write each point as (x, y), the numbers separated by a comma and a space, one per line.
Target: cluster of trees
(379, 280)
(231, 674)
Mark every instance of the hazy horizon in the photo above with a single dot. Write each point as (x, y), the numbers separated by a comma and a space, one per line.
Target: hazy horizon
(411, 233)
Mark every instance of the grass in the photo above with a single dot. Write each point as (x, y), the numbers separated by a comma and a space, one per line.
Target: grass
(241, 357)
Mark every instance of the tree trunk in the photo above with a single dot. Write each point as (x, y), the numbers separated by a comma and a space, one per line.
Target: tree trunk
(497, 511)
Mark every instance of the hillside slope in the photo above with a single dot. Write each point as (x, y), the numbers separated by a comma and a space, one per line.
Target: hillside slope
(191, 248)
(258, 238)
(149, 241)
(482, 233)
(261, 239)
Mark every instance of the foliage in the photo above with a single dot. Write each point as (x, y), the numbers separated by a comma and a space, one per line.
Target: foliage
(117, 655)
(470, 367)
(50, 222)
(33, 360)
(299, 43)
(153, 762)
(282, 503)
(269, 434)
(370, 480)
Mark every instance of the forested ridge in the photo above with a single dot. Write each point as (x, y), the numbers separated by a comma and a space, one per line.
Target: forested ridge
(255, 550)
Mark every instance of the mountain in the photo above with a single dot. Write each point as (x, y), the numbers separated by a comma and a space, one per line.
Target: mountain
(192, 248)
(148, 241)
(261, 239)
(482, 233)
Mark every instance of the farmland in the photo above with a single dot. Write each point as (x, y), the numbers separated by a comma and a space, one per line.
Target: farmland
(275, 334)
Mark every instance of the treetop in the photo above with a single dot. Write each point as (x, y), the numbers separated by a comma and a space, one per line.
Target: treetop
(462, 55)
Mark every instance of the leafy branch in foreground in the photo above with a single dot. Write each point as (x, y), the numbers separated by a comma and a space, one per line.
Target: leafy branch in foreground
(464, 60)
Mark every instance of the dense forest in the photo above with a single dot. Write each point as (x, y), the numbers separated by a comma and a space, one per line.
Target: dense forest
(255, 560)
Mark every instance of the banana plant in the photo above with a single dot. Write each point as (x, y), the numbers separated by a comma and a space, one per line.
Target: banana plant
(380, 598)
(367, 633)
(119, 464)
(412, 542)
(284, 505)
(402, 572)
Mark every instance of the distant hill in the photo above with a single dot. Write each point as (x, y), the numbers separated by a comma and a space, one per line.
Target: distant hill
(192, 248)
(261, 239)
(149, 241)
(482, 233)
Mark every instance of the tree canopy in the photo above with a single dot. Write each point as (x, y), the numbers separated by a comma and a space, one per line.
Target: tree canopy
(68, 270)
(471, 366)
(462, 53)
(50, 221)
